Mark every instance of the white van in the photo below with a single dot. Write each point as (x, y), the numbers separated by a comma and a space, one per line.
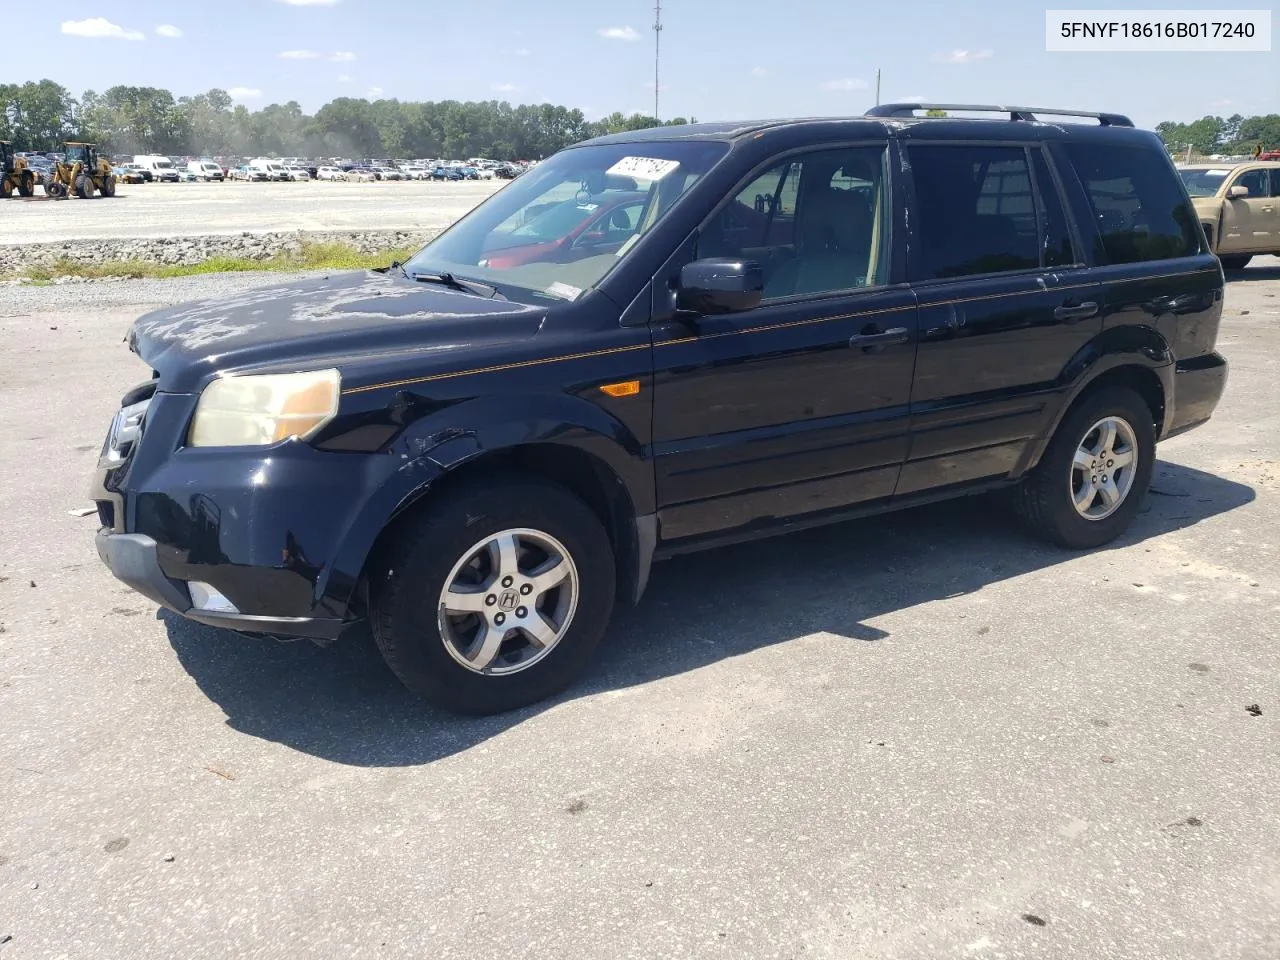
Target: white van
(205, 170)
(264, 168)
(161, 168)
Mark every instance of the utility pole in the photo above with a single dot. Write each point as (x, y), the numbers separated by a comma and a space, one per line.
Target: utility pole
(877, 86)
(657, 40)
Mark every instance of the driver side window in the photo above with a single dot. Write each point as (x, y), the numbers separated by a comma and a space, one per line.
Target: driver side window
(1255, 180)
(815, 222)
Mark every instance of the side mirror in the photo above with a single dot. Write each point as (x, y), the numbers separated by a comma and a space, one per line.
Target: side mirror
(720, 285)
(1237, 192)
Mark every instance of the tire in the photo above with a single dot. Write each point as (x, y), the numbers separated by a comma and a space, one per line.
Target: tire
(109, 186)
(1045, 499)
(6, 187)
(84, 187)
(56, 189)
(425, 646)
(1237, 262)
(27, 185)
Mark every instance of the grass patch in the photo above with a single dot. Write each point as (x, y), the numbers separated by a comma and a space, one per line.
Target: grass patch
(312, 256)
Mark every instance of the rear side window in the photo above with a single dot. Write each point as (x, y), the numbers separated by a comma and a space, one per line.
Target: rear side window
(976, 211)
(1136, 201)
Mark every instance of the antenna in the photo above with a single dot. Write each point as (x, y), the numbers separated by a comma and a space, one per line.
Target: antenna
(657, 38)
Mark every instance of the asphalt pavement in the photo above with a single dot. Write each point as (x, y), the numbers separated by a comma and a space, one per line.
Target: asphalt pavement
(194, 209)
(917, 736)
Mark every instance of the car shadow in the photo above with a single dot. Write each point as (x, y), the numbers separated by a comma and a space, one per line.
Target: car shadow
(1253, 273)
(342, 704)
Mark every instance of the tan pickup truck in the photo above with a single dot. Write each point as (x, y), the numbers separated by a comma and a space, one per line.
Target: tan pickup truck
(1239, 208)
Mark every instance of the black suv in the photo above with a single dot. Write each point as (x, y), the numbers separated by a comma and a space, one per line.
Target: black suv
(656, 342)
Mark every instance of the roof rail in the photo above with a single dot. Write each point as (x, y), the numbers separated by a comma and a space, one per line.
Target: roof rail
(1015, 113)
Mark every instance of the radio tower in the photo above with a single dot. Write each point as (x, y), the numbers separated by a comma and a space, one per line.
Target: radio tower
(657, 39)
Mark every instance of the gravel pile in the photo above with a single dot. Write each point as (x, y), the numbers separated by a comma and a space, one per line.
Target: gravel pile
(190, 250)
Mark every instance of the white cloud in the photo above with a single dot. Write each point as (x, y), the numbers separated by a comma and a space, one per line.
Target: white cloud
(1222, 103)
(760, 71)
(311, 3)
(505, 87)
(963, 56)
(100, 27)
(244, 93)
(619, 33)
(344, 78)
(375, 92)
(168, 30)
(844, 83)
(342, 56)
(910, 98)
(524, 52)
(297, 55)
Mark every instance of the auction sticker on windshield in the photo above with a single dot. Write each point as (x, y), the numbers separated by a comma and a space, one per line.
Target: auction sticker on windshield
(643, 168)
(563, 290)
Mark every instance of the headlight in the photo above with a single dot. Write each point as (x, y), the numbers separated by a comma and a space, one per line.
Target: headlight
(260, 410)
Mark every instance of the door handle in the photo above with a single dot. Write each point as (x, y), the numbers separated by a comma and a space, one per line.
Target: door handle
(1073, 314)
(879, 338)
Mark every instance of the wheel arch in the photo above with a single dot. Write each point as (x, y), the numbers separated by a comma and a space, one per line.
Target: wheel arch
(1136, 357)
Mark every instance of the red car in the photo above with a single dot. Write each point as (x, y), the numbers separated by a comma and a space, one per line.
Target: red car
(570, 230)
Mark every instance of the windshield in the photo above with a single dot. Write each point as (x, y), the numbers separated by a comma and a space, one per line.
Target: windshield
(558, 230)
(1204, 182)
(163, 164)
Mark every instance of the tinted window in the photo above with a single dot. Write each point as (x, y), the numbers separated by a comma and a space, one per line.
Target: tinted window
(1255, 180)
(815, 222)
(975, 211)
(1138, 207)
(1056, 245)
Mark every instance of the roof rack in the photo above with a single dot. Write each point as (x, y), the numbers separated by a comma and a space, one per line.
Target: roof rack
(1027, 114)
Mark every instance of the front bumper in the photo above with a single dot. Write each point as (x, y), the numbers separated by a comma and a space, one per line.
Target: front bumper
(281, 532)
(134, 560)
(1198, 385)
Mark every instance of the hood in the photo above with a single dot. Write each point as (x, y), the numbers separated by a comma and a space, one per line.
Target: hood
(1207, 204)
(338, 320)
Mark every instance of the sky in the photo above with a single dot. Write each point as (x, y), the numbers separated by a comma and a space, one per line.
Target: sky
(721, 59)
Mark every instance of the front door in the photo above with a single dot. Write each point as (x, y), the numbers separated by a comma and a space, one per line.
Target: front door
(1004, 305)
(1249, 224)
(800, 405)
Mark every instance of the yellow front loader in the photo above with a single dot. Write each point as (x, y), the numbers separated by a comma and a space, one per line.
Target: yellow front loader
(15, 174)
(81, 173)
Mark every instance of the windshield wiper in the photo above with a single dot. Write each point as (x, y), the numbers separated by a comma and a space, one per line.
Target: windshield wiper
(446, 279)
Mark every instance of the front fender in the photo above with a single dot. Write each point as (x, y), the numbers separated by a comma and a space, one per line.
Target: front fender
(1135, 345)
(440, 442)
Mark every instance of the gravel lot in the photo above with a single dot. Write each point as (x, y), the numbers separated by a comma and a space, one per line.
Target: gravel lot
(919, 736)
(192, 209)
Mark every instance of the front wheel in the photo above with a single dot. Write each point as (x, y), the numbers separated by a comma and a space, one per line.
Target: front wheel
(495, 596)
(56, 189)
(1237, 262)
(1090, 482)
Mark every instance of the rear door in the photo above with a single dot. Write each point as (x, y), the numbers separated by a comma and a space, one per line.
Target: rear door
(1005, 302)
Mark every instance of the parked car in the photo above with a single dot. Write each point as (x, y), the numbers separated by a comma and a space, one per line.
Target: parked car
(811, 321)
(361, 175)
(330, 173)
(388, 173)
(1239, 208)
(187, 175)
(206, 170)
(297, 173)
(128, 174)
(506, 171)
(568, 230)
(160, 168)
(447, 173)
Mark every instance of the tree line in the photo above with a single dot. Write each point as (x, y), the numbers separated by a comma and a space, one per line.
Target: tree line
(1230, 136)
(39, 115)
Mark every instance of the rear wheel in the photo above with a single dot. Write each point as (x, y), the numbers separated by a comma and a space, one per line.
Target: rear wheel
(56, 189)
(495, 596)
(109, 186)
(6, 187)
(27, 185)
(1090, 482)
(84, 187)
(1237, 262)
